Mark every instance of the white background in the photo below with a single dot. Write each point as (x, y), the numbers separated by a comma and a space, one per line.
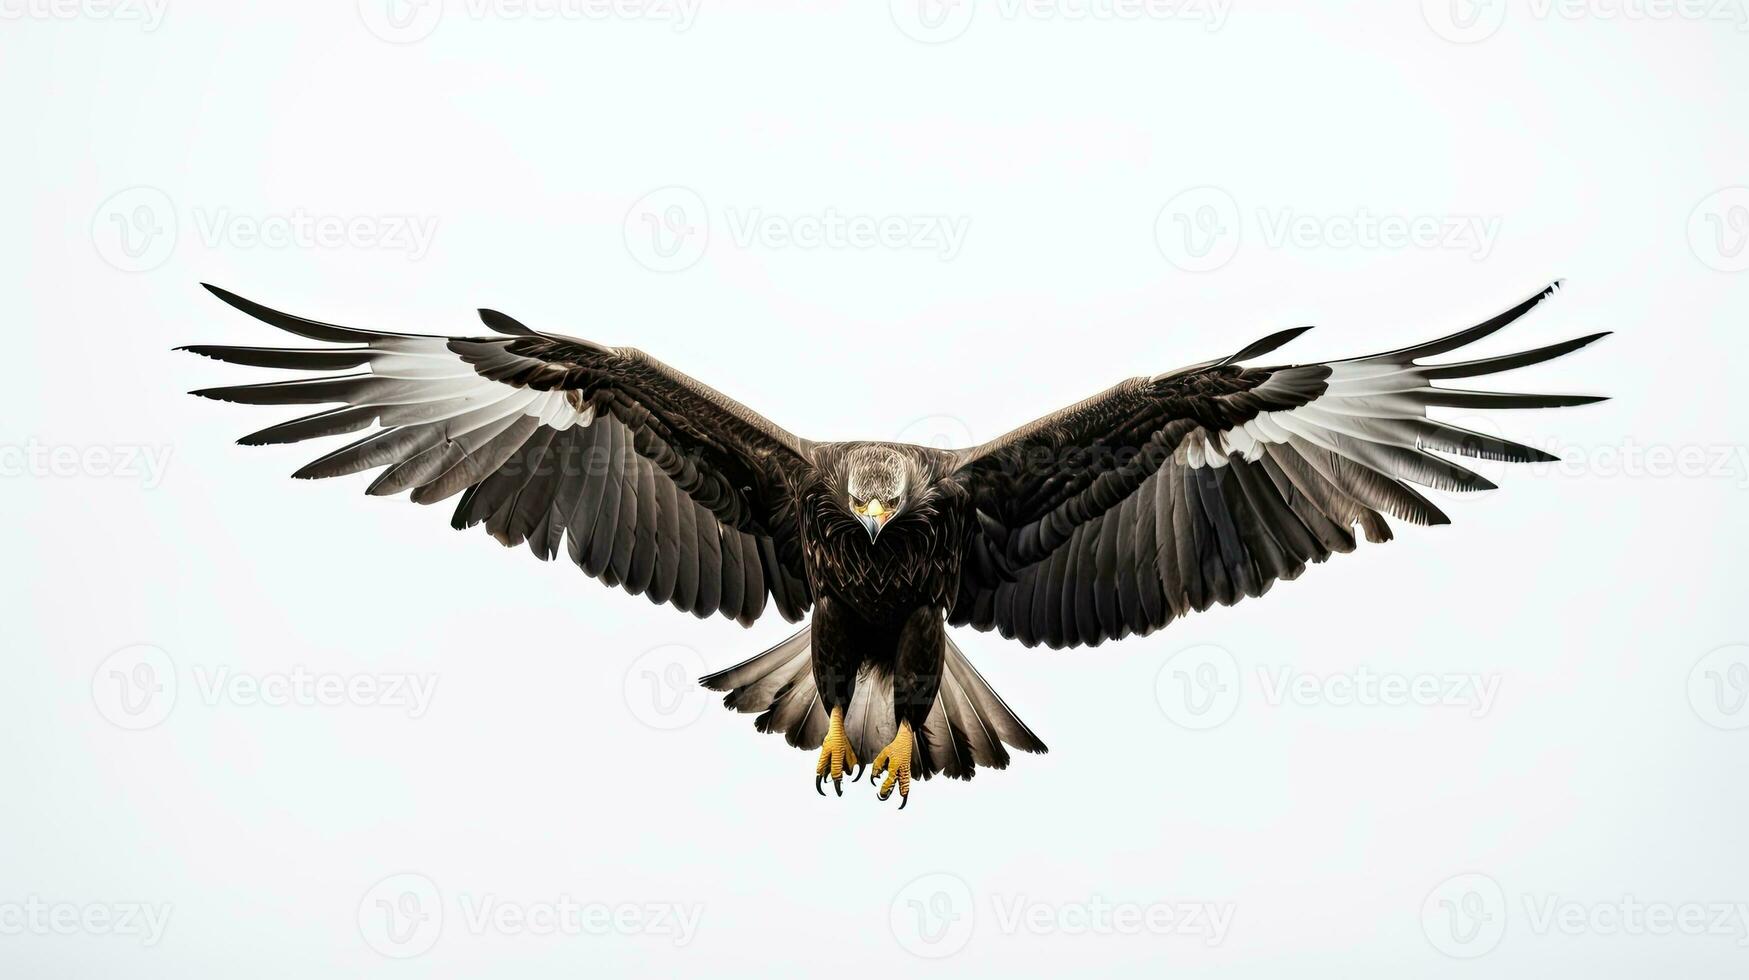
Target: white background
(1594, 141)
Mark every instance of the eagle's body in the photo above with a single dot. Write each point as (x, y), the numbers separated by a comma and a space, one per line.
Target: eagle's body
(1160, 496)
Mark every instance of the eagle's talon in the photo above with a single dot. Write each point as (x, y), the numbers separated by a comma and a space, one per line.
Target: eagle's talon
(836, 755)
(895, 761)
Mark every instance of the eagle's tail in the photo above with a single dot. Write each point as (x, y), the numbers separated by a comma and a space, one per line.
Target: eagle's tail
(966, 727)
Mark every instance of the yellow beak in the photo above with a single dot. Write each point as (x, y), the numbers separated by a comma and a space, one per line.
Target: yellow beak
(873, 516)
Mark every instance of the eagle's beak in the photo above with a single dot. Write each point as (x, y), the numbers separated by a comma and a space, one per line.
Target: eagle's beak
(873, 516)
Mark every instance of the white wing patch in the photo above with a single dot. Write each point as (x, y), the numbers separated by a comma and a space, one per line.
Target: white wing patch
(451, 382)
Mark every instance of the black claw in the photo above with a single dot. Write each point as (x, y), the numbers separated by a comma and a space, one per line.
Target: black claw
(838, 785)
(904, 798)
(858, 777)
(817, 781)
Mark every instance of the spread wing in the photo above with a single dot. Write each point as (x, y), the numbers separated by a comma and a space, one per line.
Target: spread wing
(1205, 485)
(646, 478)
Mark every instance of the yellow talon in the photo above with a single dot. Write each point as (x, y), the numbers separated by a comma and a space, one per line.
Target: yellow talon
(895, 761)
(836, 755)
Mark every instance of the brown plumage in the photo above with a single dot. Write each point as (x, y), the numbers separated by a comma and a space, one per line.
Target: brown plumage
(1110, 518)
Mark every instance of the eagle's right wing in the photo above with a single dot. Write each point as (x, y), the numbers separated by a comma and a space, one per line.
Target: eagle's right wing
(649, 479)
(1169, 494)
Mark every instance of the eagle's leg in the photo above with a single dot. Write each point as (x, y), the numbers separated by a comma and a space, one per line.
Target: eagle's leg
(916, 678)
(835, 663)
(836, 756)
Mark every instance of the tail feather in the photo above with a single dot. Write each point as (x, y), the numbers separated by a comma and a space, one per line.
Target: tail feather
(966, 728)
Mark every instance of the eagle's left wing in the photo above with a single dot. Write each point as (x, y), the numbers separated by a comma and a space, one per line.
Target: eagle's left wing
(1205, 485)
(648, 479)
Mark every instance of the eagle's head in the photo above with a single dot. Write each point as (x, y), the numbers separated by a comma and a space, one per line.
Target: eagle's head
(877, 486)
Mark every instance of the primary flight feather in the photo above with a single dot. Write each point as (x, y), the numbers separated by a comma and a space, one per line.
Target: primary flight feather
(1161, 495)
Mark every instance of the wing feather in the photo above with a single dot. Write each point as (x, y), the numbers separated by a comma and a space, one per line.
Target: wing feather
(647, 479)
(1208, 484)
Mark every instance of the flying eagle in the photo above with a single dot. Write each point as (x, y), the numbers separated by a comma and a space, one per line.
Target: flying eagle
(1108, 519)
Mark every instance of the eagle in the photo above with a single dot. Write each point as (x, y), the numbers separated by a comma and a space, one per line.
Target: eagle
(1111, 518)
